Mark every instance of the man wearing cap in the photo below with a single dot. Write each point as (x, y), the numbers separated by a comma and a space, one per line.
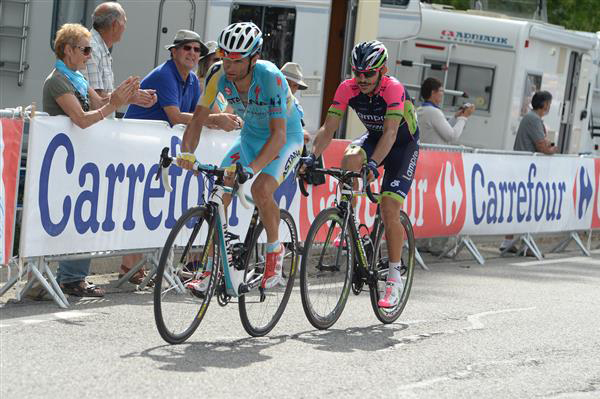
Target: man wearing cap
(177, 85)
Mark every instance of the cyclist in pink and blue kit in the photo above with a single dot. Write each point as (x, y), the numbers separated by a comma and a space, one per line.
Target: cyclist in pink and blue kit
(391, 140)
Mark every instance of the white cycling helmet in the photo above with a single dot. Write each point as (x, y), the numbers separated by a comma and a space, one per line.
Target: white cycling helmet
(240, 40)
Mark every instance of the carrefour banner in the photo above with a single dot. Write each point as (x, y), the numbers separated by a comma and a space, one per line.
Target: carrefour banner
(95, 189)
(11, 133)
(456, 193)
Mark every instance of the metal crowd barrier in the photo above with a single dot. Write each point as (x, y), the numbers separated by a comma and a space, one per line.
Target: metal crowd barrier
(38, 269)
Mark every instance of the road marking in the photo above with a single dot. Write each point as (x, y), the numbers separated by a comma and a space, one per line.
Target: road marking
(67, 315)
(576, 259)
(474, 321)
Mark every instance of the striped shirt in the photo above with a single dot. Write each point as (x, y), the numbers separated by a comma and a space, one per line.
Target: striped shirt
(98, 69)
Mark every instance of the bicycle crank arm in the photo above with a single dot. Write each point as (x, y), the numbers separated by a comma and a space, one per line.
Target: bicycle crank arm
(250, 285)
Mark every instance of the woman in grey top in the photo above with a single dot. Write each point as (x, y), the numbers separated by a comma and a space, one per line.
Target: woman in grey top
(66, 92)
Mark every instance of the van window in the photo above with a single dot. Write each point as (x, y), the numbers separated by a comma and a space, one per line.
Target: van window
(533, 83)
(71, 11)
(277, 25)
(477, 82)
(395, 3)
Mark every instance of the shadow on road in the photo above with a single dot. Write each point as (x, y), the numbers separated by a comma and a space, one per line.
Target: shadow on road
(368, 339)
(198, 356)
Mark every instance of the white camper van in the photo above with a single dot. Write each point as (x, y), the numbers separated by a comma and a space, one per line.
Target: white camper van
(499, 62)
(310, 32)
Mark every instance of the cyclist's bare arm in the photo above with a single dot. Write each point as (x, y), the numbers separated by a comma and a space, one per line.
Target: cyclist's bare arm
(383, 147)
(191, 135)
(325, 134)
(274, 144)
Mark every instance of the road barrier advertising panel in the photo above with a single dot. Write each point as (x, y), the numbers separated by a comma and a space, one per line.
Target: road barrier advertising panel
(11, 133)
(94, 189)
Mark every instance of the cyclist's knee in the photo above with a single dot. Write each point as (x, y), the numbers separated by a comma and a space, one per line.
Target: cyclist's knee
(391, 206)
(263, 188)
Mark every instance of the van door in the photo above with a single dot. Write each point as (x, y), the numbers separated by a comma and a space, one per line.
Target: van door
(173, 15)
(568, 105)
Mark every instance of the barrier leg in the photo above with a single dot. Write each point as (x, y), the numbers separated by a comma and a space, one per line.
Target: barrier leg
(530, 244)
(562, 245)
(420, 260)
(470, 245)
(37, 275)
(54, 283)
(579, 242)
(575, 237)
(466, 242)
(132, 271)
(12, 281)
(152, 260)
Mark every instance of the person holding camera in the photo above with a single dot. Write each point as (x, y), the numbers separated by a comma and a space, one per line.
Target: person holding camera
(434, 127)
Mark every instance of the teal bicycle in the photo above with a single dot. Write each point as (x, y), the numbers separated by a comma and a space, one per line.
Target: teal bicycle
(201, 234)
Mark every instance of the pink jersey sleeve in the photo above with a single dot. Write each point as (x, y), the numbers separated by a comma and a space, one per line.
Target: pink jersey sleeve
(394, 96)
(342, 96)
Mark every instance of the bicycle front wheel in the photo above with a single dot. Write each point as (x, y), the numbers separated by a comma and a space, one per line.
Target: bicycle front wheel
(177, 310)
(326, 269)
(261, 309)
(380, 265)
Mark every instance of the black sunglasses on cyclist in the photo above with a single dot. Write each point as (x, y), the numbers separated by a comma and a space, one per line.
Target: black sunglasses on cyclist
(85, 50)
(187, 47)
(367, 74)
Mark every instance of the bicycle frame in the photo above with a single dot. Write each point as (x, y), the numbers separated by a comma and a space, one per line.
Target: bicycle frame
(234, 276)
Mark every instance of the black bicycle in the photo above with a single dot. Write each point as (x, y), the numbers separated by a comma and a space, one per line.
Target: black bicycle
(339, 256)
(201, 236)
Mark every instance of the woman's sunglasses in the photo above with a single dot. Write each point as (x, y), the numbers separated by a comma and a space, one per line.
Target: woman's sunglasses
(367, 74)
(85, 50)
(187, 47)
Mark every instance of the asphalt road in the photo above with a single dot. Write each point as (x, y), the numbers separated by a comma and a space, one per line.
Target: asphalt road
(514, 328)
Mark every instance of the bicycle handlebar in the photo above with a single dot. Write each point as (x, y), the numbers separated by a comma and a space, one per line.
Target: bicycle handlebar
(241, 176)
(340, 174)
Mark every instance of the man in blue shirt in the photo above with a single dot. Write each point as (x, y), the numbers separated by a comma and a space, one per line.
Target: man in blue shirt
(177, 86)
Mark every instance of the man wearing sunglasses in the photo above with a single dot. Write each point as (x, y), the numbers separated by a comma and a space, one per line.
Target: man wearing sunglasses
(391, 140)
(271, 139)
(177, 85)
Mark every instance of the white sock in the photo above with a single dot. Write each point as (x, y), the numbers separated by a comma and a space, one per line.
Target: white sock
(394, 271)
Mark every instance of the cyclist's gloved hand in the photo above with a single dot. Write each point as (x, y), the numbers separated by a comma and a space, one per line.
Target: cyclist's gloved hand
(372, 166)
(309, 161)
(186, 160)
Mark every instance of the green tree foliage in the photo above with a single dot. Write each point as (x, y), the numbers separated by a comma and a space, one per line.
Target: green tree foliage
(583, 15)
(575, 14)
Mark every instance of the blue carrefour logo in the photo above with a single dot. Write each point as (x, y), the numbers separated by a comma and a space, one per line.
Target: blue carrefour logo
(582, 192)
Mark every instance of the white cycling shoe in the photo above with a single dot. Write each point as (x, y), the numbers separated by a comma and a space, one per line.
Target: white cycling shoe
(200, 284)
(393, 292)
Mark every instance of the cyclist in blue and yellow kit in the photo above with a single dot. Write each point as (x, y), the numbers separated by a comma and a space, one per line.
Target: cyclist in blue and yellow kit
(270, 142)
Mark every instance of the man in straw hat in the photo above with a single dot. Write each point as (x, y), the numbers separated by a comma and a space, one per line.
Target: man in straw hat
(177, 85)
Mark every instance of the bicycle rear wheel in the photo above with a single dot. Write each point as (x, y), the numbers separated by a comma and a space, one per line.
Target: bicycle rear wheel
(177, 310)
(380, 266)
(326, 269)
(260, 309)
